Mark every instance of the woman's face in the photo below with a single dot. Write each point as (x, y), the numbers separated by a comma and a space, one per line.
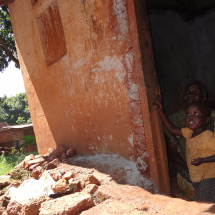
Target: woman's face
(193, 93)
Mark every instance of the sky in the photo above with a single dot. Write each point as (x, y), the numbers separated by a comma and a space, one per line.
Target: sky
(11, 81)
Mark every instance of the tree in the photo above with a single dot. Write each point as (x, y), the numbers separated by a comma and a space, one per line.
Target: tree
(8, 51)
(14, 110)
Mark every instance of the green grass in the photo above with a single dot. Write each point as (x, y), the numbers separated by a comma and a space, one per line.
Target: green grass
(7, 163)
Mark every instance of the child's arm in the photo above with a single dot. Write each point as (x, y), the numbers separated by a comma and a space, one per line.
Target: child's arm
(198, 161)
(170, 127)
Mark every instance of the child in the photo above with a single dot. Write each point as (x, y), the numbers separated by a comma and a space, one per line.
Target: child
(200, 148)
(176, 145)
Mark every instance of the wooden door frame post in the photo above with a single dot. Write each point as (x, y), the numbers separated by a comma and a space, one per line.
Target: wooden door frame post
(149, 93)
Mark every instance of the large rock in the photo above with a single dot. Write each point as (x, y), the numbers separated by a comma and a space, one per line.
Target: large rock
(143, 200)
(2, 209)
(14, 208)
(36, 173)
(68, 175)
(31, 188)
(4, 181)
(89, 179)
(91, 188)
(37, 161)
(33, 206)
(60, 149)
(61, 185)
(70, 204)
(70, 153)
(114, 207)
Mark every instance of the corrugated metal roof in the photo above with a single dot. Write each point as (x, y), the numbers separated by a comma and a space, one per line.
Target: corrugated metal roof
(18, 126)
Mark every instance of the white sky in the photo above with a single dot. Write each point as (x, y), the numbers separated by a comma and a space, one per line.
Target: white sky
(11, 81)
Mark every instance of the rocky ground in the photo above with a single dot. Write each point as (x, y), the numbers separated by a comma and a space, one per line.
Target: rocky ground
(64, 183)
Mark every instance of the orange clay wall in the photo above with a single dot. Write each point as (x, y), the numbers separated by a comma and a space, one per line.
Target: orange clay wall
(78, 67)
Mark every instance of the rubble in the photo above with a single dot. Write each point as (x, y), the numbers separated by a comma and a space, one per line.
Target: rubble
(89, 185)
(4, 181)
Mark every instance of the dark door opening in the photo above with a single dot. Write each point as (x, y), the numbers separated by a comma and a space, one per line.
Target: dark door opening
(183, 37)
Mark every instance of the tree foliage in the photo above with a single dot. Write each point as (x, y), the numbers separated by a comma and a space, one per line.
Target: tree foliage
(14, 110)
(8, 51)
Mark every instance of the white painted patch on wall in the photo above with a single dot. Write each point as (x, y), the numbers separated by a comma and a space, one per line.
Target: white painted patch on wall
(134, 96)
(79, 63)
(131, 140)
(92, 148)
(129, 60)
(111, 63)
(141, 162)
(110, 137)
(99, 79)
(120, 76)
(133, 87)
(82, 61)
(65, 61)
(120, 10)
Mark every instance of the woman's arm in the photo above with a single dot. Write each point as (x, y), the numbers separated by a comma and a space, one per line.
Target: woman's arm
(170, 127)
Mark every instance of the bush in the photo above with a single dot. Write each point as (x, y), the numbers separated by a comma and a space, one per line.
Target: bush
(29, 140)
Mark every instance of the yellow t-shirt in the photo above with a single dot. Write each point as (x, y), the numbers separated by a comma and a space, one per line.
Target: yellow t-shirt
(200, 146)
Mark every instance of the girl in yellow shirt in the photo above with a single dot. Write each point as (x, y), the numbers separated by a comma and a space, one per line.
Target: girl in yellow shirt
(200, 148)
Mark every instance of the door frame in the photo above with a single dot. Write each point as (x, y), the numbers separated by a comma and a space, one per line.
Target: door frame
(149, 92)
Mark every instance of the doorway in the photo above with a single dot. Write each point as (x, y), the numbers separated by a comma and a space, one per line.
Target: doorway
(183, 37)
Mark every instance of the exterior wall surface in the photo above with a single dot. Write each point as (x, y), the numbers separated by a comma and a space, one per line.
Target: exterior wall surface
(6, 136)
(78, 65)
(19, 133)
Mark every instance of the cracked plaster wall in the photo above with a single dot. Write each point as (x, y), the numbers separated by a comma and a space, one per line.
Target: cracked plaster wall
(89, 98)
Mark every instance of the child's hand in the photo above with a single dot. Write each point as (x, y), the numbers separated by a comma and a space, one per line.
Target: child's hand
(158, 106)
(197, 161)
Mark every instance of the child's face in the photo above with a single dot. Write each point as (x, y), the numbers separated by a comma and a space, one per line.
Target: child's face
(193, 93)
(196, 117)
